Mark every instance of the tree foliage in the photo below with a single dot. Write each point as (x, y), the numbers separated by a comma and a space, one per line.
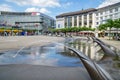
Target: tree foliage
(73, 29)
(110, 24)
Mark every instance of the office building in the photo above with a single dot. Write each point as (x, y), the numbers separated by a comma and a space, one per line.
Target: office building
(82, 18)
(108, 12)
(26, 20)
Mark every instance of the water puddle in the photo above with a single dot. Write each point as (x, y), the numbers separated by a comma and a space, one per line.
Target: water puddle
(50, 55)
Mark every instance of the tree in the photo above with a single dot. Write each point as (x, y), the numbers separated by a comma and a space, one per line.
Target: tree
(110, 25)
(117, 25)
(102, 27)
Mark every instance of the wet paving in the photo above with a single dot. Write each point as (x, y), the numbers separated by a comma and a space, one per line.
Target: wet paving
(56, 54)
(50, 55)
(94, 52)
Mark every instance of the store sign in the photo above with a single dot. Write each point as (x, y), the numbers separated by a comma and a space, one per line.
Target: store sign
(35, 13)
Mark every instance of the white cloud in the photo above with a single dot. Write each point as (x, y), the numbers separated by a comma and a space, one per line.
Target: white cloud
(108, 2)
(33, 9)
(40, 3)
(65, 5)
(5, 7)
(44, 10)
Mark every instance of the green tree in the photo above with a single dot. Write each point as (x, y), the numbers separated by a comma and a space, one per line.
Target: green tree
(110, 25)
(117, 25)
(102, 27)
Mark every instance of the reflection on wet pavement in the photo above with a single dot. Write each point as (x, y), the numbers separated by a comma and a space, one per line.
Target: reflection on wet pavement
(59, 55)
(94, 52)
(51, 55)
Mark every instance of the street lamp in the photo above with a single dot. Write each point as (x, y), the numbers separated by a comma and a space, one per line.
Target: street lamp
(37, 28)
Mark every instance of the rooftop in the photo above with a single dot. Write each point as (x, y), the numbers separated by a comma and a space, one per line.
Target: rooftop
(110, 5)
(77, 12)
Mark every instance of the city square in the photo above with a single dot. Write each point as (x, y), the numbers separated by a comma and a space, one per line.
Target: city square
(60, 40)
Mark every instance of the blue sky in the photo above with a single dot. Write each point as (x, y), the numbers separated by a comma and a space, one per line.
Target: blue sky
(52, 7)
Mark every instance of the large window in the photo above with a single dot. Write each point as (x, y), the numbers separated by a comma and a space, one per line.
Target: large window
(65, 22)
(111, 10)
(97, 14)
(116, 15)
(85, 19)
(111, 16)
(80, 20)
(101, 13)
(97, 23)
(75, 20)
(70, 21)
(116, 9)
(90, 16)
(101, 18)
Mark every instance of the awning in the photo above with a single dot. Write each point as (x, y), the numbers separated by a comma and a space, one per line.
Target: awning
(113, 31)
(8, 30)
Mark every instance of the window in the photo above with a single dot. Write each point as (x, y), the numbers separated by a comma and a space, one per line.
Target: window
(110, 10)
(111, 16)
(116, 15)
(97, 23)
(80, 23)
(96, 14)
(116, 9)
(85, 17)
(80, 19)
(58, 25)
(101, 18)
(105, 17)
(65, 22)
(106, 12)
(75, 20)
(69, 21)
(97, 18)
(90, 16)
(85, 23)
(90, 22)
(101, 13)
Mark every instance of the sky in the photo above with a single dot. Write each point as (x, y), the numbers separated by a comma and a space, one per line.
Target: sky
(52, 7)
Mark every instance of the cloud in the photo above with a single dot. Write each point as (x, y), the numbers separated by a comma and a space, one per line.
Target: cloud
(40, 3)
(44, 10)
(108, 2)
(33, 9)
(65, 5)
(5, 7)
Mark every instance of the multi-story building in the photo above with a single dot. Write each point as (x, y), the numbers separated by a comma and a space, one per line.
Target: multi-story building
(105, 13)
(89, 17)
(76, 19)
(108, 12)
(26, 20)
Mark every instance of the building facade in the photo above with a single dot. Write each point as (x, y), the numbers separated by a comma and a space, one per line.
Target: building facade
(108, 12)
(105, 13)
(90, 17)
(76, 19)
(26, 20)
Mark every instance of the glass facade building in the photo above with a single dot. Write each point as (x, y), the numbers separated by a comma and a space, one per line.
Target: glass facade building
(26, 20)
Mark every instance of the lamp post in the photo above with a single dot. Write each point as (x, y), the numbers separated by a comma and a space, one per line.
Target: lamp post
(37, 28)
